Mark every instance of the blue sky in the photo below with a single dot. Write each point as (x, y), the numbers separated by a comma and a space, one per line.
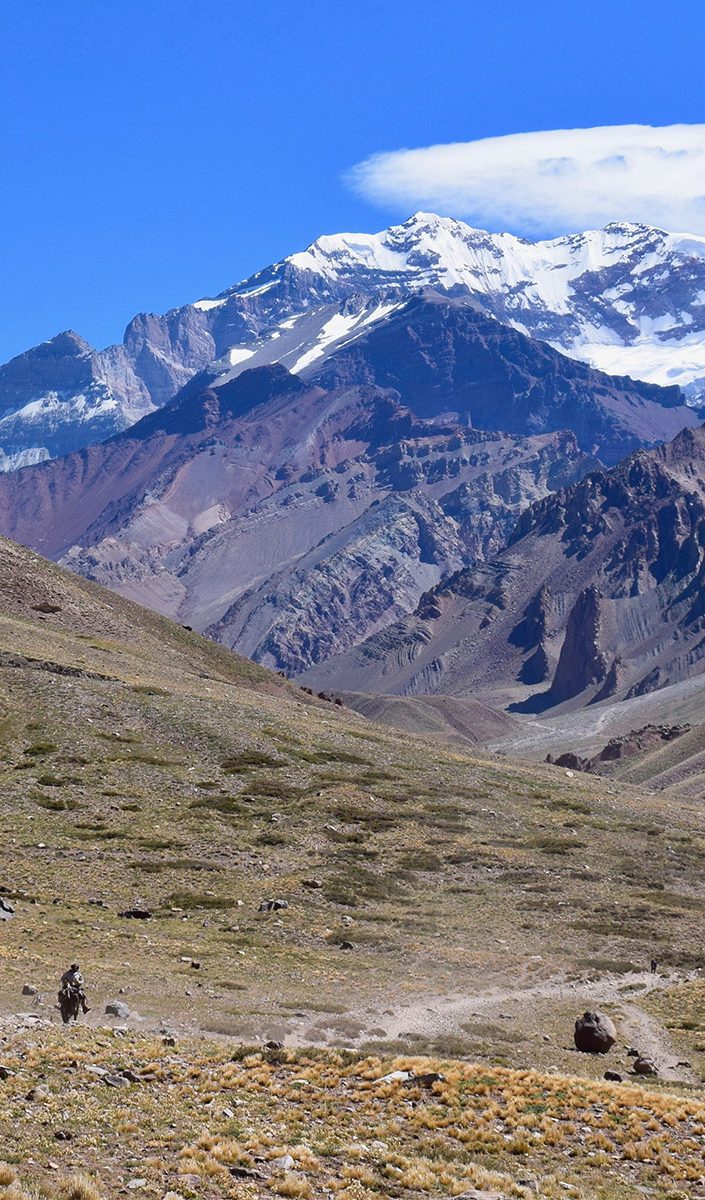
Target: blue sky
(154, 151)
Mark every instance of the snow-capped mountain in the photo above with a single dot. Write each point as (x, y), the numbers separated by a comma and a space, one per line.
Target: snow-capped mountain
(628, 299)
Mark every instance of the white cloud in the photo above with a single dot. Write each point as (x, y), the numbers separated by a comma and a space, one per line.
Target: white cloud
(551, 182)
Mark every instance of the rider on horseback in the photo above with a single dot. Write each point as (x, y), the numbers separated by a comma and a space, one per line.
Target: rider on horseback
(73, 981)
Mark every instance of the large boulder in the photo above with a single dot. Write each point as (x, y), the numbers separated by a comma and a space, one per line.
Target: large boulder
(117, 1008)
(594, 1033)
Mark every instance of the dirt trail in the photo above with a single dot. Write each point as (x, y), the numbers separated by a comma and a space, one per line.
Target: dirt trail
(433, 1016)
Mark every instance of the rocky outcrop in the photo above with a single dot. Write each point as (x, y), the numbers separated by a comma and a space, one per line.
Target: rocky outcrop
(627, 745)
(582, 661)
(594, 1033)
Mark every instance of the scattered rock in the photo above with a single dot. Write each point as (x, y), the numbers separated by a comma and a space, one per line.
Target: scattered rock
(29, 990)
(273, 1045)
(643, 1065)
(195, 966)
(594, 1033)
(396, 1077)
(313, 884)
(6, 1073)
(6, 910)
(137, 913)
(116, 1081)
(427, 1078)
(612, 1076)
(133, 1184)
(63, 1135)
(273, 905)
(632, 1053)
(168, 1040)
(346, 946)
(117, 1008)
(37, 1093)
(285, 1163)
(245, 1173)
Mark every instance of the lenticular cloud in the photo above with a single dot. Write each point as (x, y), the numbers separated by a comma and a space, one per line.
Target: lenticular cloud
(552, 182)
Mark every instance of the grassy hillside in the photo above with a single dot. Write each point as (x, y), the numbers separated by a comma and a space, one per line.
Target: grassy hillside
(196, 1122)
(487, 903)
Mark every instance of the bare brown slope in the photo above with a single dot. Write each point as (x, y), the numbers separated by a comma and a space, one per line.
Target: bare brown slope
(54, 505)
(464, 721)
(54, 621)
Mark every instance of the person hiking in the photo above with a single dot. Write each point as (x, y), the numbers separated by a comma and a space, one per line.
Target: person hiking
(74, 982)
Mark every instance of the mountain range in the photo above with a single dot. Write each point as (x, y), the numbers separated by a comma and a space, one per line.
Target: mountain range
(293, 515)
(372, 469)
(600, 595)
(627, 299)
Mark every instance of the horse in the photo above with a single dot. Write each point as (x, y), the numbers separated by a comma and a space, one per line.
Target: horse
(69, 1003)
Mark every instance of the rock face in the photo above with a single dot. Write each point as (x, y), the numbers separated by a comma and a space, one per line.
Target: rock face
(604, 580)
(581, 661)
(443, 354)
(594, 1033)
(623, 299)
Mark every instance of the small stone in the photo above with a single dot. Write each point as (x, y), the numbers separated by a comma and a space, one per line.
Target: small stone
(116, 1081)
(133, 1184)
(29, 990)
(285, 1163)
(612, 1076)
(427, 1079)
